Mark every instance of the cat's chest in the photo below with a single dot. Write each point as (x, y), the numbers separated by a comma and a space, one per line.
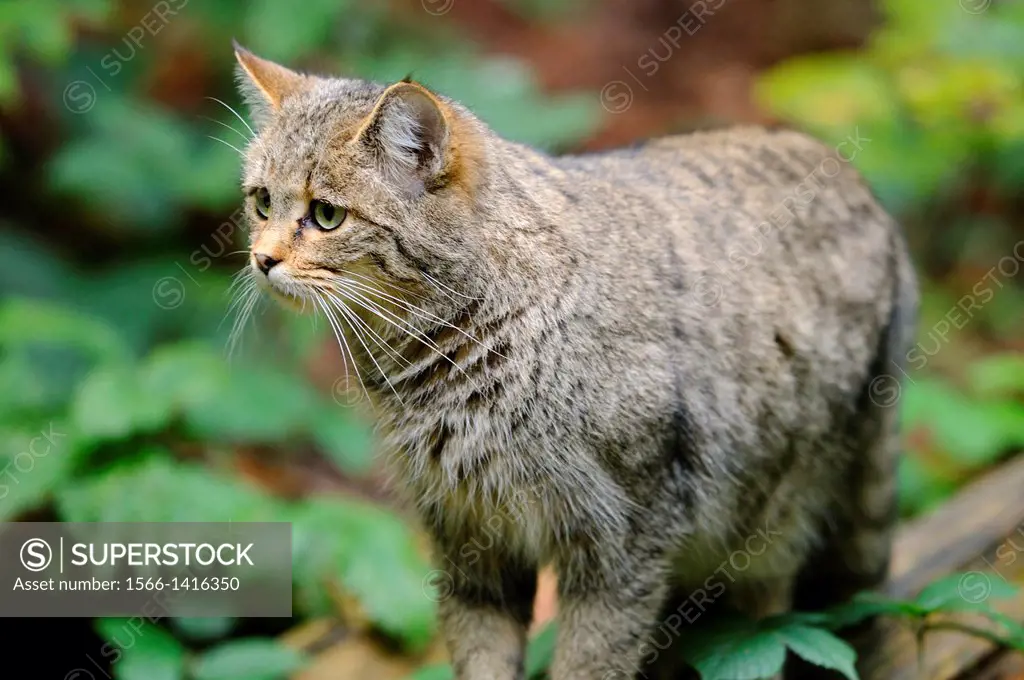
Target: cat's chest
(482, 526)
(520, 523)
(489, 489)
(452, 448)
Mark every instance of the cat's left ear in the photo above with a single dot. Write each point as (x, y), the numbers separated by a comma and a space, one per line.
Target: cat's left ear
(264, 84)
(408, 133)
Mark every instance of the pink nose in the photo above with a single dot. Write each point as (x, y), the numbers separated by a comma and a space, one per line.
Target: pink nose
(264, 262)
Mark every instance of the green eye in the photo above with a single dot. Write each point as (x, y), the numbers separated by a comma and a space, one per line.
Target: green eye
(263, 203)
(327, 216)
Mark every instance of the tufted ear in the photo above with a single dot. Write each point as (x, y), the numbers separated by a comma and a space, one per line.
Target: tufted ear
(408, 133)
(264, 84)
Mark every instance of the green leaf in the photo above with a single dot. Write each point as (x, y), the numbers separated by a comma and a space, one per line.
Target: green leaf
(275, 30)
(366, 550)
(155, 488)
(110, 168)
(204, 628)
(821, 648)
(1014, 629)
(348, 442)
(24, 323)
(434, 672)
(833, 92)
(189, 375)
(141, 299)
(905, 165)
(541, 651)
(37, 272)
(864, 606)
(248, 659)
(35, 460)
(112, 404)
(940, 593)
(147, 652)
(256, 405)
(998, 375)
(371, 553)
(964, 591)
(156, 300)
(922, 488)
(8, 90)
(737, 649)
(973, 432)
(44, 29)
(20, 388)
(38, 382)
(753, 655)
(733, 648)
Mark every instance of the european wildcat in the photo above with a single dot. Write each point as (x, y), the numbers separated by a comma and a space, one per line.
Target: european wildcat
(634, 365)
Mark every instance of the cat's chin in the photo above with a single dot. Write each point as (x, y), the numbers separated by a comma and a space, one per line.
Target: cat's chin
(292, 302)
(288, 300)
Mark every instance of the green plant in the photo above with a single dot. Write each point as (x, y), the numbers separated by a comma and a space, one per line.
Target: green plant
(149, 652)
(956, 433)
(739, 649)
(742, 650)
(117, 423)
(937, 90)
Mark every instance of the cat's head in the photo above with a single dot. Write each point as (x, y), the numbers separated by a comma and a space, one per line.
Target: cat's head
(355, 181)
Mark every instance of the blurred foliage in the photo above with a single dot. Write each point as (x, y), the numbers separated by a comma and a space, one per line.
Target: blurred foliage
(113, 437)
(112, 328)
(157, 655)
(939, 92)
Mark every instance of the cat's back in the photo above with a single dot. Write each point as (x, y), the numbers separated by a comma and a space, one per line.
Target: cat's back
(743, 249)
(757, 152)
(708, 167)
(758, 208)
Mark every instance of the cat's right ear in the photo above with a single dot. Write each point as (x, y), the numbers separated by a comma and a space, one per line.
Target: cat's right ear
(408, 134)
(264, 84)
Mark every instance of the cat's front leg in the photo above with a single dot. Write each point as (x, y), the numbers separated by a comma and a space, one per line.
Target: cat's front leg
(609, 601)
(485, 611)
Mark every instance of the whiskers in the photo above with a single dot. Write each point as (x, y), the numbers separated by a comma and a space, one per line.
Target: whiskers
(445, 290)
(347, 299)
(246, 138)
(237, 115)
(245, 296)
(348, 358)
(227, 144)
(365, 321)
(357, 289)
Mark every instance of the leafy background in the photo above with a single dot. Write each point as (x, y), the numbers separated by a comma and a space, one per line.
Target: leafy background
(119, 251)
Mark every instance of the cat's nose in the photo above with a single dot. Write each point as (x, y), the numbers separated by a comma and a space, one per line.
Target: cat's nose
(264, 262)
